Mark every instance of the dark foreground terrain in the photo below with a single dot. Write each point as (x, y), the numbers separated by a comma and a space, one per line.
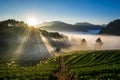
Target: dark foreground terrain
(75, 65)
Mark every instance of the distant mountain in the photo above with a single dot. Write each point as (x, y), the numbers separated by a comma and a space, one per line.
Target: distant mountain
(113, 28)
(57, 25)
(88, 26)
(104, 25)
(61, 26)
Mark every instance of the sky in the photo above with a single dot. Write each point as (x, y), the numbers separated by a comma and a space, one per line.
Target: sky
(70, 11)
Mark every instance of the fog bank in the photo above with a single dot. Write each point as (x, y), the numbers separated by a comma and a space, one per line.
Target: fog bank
(109, 42)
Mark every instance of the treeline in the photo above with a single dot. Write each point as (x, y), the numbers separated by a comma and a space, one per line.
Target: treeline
(11, 26)
(12, 23)
(51, 34)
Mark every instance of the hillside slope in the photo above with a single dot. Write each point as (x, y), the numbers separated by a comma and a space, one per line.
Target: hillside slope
(89, 65)
(79, 65)
(113, 28)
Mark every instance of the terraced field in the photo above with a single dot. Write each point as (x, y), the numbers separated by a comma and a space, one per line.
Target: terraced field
(44, 70)
(94, 64)
(79, 65)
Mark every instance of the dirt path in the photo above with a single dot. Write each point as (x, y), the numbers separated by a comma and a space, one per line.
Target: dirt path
(63, 74)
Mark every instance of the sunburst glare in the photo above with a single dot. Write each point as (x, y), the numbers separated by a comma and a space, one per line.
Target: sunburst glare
(32, 21)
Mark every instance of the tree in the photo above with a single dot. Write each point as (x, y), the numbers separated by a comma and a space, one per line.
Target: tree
(98, 43)
(58, 49)
(83, 44)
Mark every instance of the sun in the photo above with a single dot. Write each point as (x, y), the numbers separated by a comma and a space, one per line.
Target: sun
(32, 21)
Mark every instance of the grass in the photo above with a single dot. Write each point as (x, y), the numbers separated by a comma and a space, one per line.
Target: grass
(94, 64)
(43, 71)
(85, 65)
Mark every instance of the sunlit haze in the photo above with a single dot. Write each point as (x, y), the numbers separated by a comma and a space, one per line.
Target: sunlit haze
(32, 21)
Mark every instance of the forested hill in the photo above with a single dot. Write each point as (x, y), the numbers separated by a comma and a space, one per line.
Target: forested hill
(113, 28)
(10, 30)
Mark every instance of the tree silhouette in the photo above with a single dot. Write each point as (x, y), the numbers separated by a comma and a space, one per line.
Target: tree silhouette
(83, 44)
(98, 43)
(58, 49)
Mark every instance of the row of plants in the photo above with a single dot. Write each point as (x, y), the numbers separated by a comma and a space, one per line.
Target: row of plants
(44, 70)
(92, 65)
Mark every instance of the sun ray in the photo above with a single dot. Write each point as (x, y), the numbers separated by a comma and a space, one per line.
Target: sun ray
(22, 42)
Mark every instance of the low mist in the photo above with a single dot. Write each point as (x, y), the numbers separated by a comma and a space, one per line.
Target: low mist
(109, 42)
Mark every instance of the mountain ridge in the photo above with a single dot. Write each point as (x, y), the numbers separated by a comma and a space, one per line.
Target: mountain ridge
(112, 28)
(79, 26)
